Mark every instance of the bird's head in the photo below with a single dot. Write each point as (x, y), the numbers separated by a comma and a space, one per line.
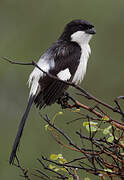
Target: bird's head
(79, 31)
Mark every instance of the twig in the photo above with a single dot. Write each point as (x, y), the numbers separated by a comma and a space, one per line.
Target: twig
(47, 168)
(24, 171)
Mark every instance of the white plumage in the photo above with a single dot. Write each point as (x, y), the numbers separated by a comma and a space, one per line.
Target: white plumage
(64, 75)
(45, 64)
(83, 40)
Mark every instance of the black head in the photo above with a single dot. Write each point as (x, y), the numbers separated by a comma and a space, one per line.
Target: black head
(77, 25)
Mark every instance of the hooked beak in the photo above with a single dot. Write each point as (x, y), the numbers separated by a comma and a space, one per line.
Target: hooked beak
(91, 31)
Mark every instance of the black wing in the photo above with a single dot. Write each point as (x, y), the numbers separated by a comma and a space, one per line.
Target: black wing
(66, 55)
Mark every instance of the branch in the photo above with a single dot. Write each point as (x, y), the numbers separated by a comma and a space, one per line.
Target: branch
(87, 95)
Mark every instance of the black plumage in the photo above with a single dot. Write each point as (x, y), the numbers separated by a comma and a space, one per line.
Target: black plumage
(66, 55)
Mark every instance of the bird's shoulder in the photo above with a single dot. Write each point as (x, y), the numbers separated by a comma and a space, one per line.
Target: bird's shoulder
(66, 57)
(64, 49)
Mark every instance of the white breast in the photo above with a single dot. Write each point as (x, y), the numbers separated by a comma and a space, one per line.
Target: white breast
(81, 70)
(82, 39)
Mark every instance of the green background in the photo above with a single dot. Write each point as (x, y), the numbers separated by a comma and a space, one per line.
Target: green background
(27, 28)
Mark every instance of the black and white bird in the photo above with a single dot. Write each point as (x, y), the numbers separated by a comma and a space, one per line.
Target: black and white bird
(66, 59)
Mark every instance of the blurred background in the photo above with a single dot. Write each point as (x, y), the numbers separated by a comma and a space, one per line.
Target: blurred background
(27, 28)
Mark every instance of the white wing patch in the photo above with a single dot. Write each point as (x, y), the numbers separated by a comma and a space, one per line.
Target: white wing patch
(45, 64)
(64, 75)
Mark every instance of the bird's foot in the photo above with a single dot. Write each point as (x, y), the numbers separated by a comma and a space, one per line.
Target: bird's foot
(63, 100)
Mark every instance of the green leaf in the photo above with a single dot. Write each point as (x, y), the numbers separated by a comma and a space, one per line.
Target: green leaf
(60, 113)
(91, 128)
(85, 124)
(105, 118)
(86, 178)
(63, 169)
(54, 157)
(122, 143)
(107, 130)
(91, 123)
(62, 161)
(110, 139)
(109, 127)
(60, 156)
(46, 127)
(51, 166)
(108, 170)
(70, 178)
(56, 169)
(76, 110)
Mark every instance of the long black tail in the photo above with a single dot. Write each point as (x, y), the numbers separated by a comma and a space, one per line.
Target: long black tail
(20, 130)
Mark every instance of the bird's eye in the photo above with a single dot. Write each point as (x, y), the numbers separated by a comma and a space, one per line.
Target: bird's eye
(90, 26)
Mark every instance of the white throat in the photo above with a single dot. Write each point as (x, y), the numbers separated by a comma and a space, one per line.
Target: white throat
(82, 39)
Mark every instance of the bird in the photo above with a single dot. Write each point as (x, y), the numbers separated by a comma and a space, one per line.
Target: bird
(65, 59)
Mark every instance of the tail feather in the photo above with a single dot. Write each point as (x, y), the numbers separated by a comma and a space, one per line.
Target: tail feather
(57, 90)
(20, 130)
(50, 93)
